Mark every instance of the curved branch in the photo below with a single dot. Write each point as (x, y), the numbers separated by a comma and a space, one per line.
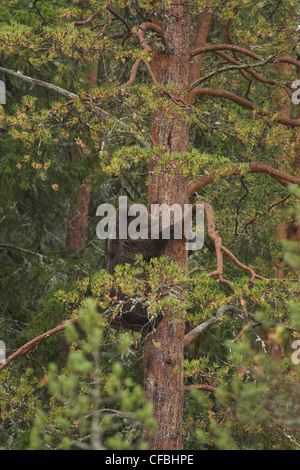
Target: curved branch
(134, 70)
(228, 95)
(211, 231)
(254, 167)
(36, 342)
(119, 17)
(149, 27)
(24, 350)
(241, 50)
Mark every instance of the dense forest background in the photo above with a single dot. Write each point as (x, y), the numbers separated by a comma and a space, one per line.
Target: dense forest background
(72, 137)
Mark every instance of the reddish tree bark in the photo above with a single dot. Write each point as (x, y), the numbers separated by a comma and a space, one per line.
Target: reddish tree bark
(77, 221)
(163, 352)
(174, 64)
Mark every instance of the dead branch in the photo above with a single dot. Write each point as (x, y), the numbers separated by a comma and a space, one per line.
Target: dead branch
(9, 246)
(262, 214)
(240, 265)
(254, 167)
(40, 14)
(211, 231)
(119, 17)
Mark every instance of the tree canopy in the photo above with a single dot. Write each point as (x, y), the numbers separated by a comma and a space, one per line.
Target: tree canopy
(162, 102)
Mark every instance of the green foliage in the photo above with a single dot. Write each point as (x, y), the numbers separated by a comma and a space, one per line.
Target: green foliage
(19, 399)
(91, 406)
(51, 145)
(254, 402)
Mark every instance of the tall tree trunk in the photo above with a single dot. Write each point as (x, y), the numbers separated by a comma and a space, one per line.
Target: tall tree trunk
(293, 230)
(77, 220)
(163, 352)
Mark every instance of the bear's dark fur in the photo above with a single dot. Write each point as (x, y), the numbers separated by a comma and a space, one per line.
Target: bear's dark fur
(120, 251)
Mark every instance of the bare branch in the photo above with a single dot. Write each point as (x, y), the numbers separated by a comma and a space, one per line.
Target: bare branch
(251, 72)
(23, 250)
(119, 17)
(211, 231)
(72, 97)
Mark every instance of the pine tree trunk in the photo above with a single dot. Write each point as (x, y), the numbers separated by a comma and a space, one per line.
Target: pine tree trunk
(77, 221)
(163, 352)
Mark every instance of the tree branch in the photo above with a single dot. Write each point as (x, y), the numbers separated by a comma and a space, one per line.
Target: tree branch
(226, 69)
(254, 167)
(23, 250)
(194, 334)
(251, 72)
(228, 95)
(72, 97)
(149, 27)
(241, 50)
(88, 20)
(134, 70)
(36, 342)
(209, 388)
(119, 17)
(34, 81)
(211, 231)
